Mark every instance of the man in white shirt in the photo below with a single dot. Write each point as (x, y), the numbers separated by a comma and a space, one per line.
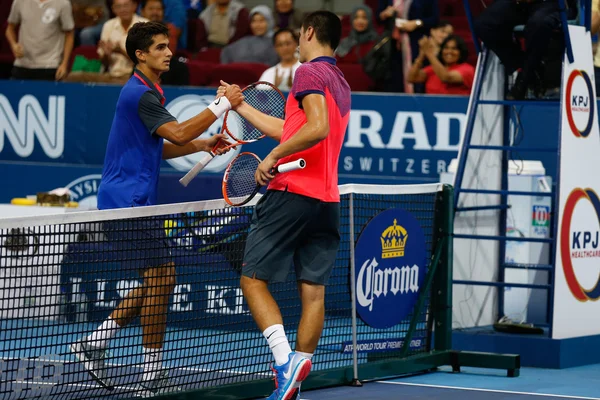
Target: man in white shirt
(111, 48)
(282, 74)
(45, 39)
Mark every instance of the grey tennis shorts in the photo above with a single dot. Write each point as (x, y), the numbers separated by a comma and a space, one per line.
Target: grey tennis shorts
(290, 228)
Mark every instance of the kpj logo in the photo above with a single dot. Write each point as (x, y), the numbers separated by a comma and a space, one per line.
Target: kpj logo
(580, 102)
(579, 247)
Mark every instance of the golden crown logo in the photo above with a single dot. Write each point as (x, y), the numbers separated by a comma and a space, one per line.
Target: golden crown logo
(393, 241)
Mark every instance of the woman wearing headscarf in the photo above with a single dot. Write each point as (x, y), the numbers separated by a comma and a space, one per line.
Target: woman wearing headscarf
(362, 32)
(257, 48)
(409, 21)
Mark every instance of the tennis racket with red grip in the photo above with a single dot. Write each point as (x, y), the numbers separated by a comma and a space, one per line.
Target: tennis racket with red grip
(264, 97)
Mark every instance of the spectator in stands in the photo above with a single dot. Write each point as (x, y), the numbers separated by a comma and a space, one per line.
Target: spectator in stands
(154, 10)
(45, 39)
(89, 16)
(282, 75)
(409, 22)
(287, 16)
(449, 72)
(225, 21)
(362, 33)
(111, 47)
(175, 15)
(178, 73)
(439, 33)
(257, 48)
(495, 28)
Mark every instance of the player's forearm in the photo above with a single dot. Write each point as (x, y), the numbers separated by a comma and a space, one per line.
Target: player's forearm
(11, 35)
(270, 126)
(438, 68)
(69, 41)
(308, 136)
(183, 133)
(171, 150)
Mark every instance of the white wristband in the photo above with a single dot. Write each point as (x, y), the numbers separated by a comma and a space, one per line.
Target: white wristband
(220, 106)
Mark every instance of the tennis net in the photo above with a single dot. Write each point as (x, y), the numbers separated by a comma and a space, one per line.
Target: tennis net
(62, 275)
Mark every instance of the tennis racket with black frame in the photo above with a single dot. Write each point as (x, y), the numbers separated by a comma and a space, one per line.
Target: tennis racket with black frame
(239, 185)
(264, 97)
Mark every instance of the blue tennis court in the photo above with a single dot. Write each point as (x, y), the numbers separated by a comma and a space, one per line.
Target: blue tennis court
(572, 383)
(471, 383)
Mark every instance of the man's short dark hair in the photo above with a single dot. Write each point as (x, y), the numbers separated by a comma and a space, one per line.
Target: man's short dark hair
(144, 2)
(327, 26)
(462, 48)
(284, 30)
(141, 36)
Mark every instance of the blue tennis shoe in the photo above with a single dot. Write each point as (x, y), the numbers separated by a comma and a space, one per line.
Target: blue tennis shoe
(289, 376)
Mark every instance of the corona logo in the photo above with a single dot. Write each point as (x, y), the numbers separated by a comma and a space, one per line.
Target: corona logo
(388, 282)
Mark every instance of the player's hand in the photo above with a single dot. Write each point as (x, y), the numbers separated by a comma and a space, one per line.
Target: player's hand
(220, 91)
(61, 72)
(211, 142)
(17, 50)
(233, 94)
(263, 172)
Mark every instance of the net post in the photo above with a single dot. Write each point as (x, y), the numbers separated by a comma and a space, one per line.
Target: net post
(355, 380)
(442, 285)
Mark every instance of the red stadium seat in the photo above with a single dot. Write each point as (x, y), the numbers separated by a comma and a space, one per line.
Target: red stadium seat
(241, 74)
(200, 72)
(209, 54)
(356, 77)
(200, 38)
(353, 57)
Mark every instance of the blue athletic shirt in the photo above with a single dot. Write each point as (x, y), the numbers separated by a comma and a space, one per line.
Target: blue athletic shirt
(134, 151)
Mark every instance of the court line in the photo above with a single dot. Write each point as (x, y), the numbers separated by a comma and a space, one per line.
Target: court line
(489, 390)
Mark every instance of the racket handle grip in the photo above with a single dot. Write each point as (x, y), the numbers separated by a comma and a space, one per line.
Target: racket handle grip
(187, 178)
(291, 166)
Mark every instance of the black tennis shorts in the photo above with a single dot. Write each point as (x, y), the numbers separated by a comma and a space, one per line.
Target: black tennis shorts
(138, 243)
(290, 228)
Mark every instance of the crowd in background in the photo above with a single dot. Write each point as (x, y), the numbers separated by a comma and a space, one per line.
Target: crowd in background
(405, 46)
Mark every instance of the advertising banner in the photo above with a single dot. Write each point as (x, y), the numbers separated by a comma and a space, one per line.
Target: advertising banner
(577, 282)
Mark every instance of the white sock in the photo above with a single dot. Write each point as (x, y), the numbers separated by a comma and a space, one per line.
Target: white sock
(105, 332)
(275, 335)
(305, 355)
(152, 363)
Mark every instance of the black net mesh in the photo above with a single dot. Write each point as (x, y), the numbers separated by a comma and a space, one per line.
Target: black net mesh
(60, 281)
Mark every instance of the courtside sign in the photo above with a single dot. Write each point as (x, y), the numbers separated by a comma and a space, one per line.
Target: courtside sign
(577, 281)
(390, 268)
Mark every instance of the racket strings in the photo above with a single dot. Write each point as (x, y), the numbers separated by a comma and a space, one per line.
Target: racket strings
(240, 180)
(264, 98)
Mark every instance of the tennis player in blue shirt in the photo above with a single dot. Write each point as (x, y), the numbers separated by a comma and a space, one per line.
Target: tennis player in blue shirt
(134, 152)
